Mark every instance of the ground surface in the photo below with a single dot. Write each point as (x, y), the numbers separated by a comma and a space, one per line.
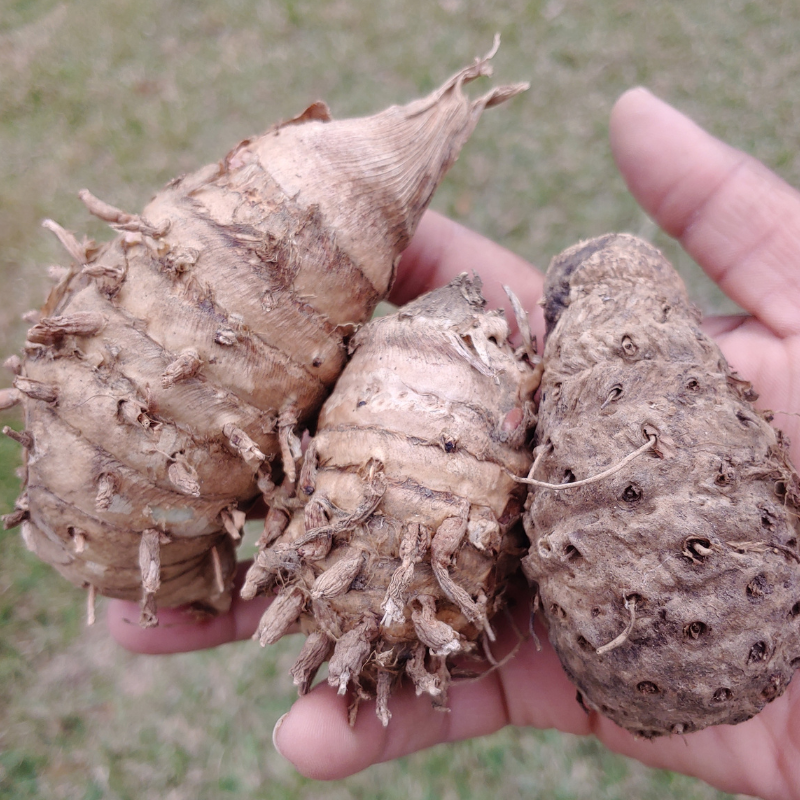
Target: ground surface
(120, 97)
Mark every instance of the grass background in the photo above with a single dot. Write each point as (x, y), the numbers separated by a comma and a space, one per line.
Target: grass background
(120, 97)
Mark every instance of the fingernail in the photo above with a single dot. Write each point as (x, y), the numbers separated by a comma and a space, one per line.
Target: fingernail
(275, 733)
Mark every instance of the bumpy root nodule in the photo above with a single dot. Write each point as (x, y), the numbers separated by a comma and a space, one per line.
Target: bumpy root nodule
(169, 367)
(400, 555)
(671, 587)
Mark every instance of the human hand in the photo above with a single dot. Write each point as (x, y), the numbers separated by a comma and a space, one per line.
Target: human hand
(742, 224)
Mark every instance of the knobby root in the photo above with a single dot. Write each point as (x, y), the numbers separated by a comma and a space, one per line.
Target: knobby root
(437, 636)
(150, 567)
(350, 654)
(120, 220)
(413, 547)
(528, 344)
(423, 680)
(291, 450)
(346, 522)
(316, 650)
(444, 544)
(384, 689)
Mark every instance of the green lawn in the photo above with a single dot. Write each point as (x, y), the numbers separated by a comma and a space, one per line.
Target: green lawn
(120, 97)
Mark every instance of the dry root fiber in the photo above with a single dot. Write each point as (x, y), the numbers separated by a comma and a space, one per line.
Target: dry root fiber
(169, 367)
(671, 587)
(401, 553)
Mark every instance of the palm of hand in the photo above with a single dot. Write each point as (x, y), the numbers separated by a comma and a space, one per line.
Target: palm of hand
(742, 224)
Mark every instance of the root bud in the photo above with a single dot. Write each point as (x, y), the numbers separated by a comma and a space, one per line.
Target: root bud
(185, 366)
(438, 636)
(21, 437)
(120, 220)
(51, 330)
(243, 445)
(316, 650)
(350, 653)
(337, 579)
(36, 390)
(184, 478)
(279, 617)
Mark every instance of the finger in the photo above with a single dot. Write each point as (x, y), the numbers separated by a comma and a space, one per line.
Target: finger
(442, 249)
(737, 219)
(316, 737)
(753, 351)
(531, 688)
(741, 758)
(722, 325)
(181, 630)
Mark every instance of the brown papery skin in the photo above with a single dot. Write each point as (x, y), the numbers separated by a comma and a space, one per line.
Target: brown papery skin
(671, 588)
(170, 366)
(403, 549)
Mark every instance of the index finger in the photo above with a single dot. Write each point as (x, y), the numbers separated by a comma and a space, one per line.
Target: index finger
(737, 219)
